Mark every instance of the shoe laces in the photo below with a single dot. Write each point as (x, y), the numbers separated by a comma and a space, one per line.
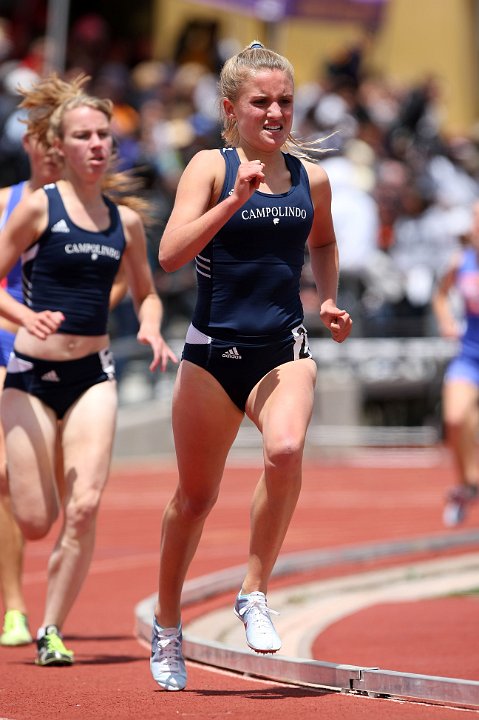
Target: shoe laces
(258, 611)
(169, 650)
(54, 643)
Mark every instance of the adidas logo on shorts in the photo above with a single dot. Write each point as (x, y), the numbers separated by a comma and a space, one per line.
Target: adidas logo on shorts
(232, 353)
(50, 376)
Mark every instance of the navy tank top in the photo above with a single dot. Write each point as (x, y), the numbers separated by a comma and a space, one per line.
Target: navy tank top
(72, 270)
(248, 275)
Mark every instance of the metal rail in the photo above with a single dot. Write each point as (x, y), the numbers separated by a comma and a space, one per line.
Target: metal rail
(374, 682)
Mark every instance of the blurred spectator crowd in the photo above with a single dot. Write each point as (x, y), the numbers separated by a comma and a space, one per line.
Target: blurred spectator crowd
(402, 188)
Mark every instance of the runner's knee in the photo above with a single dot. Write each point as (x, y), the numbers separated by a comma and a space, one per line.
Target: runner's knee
(81, 512)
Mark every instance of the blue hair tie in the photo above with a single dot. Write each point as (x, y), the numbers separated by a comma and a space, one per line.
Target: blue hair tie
(256, 45)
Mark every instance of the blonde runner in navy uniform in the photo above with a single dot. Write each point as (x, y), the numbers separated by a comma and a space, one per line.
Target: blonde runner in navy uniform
(244, 214)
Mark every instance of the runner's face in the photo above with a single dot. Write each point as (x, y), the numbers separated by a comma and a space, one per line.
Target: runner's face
(264, 109)
(87, 141)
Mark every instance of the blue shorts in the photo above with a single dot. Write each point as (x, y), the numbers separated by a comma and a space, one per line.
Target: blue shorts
(7, 339)
(58, 383)
(463, 368)
(239, 366)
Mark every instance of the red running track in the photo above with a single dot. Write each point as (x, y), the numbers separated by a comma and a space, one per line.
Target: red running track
(368, 497)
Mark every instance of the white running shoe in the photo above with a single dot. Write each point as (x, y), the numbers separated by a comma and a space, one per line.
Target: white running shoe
(167, 663)
(253, 610)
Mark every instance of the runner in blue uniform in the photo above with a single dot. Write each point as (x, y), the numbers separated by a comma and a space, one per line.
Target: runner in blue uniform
(244, 214)
(71, 238)
(461, 380)
(44, 167)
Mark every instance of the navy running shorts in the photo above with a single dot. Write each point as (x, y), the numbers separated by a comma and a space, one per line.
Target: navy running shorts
(58, 383)
(239, 366)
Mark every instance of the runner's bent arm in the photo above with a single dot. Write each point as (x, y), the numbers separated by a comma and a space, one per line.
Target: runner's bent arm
(324, 256)
(196, 218)
(148, 305)
(23, 228)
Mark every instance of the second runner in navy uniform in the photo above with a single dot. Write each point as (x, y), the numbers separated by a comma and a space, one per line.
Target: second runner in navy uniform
(71, 238)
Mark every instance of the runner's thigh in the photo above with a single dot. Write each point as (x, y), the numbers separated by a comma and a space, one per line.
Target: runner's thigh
(282, 401)
(30, 430)
(205, 424)
(88, 433)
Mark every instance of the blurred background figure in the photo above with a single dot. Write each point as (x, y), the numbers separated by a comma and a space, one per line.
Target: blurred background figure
(459, 288)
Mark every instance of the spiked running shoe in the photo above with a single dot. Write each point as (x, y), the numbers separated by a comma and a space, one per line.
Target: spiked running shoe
(167, 663)
(51, 650)
(253, 610)
(15, 629)
(457, 503)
